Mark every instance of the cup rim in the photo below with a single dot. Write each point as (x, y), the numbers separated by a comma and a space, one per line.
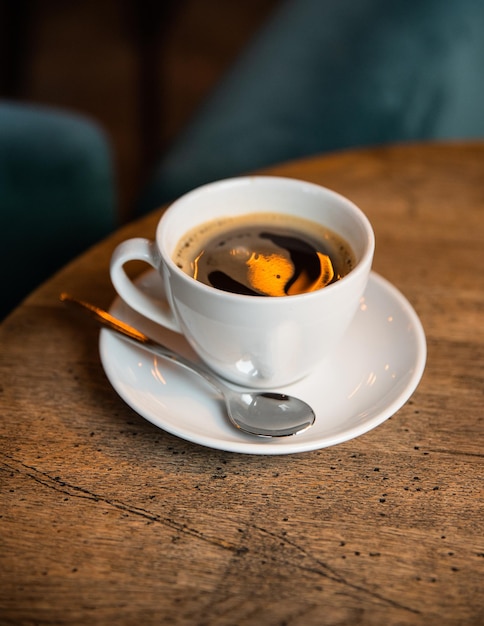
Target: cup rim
(361, 265)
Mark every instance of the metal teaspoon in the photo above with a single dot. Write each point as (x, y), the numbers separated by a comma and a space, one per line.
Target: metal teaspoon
(261, 413)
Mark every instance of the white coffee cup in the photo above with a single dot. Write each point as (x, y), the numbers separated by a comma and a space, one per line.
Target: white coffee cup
(255, 341)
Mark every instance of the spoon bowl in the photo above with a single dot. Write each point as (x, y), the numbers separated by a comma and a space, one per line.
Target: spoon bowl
(268, 414)
(256, 412)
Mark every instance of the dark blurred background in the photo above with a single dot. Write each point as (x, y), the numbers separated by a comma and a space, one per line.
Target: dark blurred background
(139, 68)
(306, 76)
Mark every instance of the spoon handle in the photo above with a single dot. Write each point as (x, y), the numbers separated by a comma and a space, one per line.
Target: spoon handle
(136, 337)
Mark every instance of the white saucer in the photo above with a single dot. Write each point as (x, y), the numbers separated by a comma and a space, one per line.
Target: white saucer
(373, 373)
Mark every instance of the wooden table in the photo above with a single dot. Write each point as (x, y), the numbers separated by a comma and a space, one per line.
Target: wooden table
(106, 519)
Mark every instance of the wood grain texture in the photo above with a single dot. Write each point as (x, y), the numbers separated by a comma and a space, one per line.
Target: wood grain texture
(106, 519)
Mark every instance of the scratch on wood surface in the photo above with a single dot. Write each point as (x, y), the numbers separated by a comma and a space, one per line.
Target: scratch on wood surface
(323, 569)
(77, 491)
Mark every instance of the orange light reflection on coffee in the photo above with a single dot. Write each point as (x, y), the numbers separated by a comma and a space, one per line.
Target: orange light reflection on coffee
(269, 274)
(303, 284)
(195, 265)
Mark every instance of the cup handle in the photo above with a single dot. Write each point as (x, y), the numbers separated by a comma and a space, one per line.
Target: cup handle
(139, 249)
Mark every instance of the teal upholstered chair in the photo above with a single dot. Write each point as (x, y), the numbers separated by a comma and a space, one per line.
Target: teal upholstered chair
(56, 194)
(324, 75)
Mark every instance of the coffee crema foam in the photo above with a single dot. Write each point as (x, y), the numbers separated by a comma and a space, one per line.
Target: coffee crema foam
(264, 254)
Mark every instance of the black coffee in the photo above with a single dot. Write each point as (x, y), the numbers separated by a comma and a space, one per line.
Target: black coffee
(264, 255)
